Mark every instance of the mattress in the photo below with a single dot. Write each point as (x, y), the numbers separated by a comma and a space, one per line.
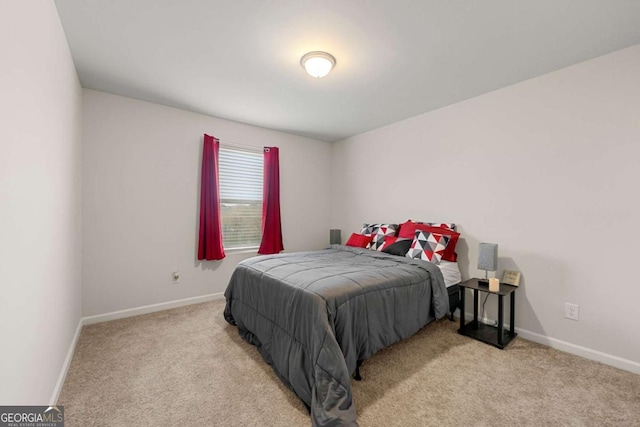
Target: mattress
(451, 272)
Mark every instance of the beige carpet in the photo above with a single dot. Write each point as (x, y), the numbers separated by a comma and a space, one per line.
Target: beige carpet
(188, 367)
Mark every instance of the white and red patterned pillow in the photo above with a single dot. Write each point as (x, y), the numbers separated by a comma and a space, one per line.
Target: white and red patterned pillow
(378, 233)
(381, 241)
(451, 226)
(384, 229)
(408, 231)
(377, 240)
(428, 246)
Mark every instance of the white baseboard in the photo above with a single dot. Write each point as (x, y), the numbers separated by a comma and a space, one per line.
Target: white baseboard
(67, 363)
(145, 309)
(598, 356)
(121, 314)
(567, 347)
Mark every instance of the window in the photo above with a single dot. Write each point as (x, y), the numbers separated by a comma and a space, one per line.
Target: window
(240, 179)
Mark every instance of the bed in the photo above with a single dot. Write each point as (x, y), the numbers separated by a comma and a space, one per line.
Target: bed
(452, 278)
(315, 316)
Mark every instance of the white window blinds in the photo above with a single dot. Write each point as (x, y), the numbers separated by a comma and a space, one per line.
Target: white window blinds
(240, 177)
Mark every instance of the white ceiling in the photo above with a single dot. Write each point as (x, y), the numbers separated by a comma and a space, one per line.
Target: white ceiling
(239, 59)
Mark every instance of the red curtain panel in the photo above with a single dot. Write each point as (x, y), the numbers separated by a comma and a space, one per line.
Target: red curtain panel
(210, 237)
(271, 227)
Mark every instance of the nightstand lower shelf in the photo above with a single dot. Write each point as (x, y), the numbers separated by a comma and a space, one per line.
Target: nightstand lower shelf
(487, 334)
(492, 335)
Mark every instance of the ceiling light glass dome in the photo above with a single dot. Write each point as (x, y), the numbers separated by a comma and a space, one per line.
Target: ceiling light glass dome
(318, 64)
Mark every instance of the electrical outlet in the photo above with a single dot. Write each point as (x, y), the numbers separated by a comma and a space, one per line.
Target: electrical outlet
(175, 277)
(572, 311)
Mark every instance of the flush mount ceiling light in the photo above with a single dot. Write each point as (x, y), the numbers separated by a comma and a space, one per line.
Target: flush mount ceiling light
(318, 64)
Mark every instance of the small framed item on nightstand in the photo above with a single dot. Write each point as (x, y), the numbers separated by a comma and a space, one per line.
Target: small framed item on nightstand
(511, 278)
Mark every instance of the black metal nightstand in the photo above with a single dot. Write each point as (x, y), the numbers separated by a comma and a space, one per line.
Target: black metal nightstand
(493, 335)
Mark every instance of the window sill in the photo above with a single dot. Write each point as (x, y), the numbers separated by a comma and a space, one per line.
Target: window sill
(242, 250)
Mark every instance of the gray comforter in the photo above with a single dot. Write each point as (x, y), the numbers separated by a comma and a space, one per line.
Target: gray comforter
(314, 315)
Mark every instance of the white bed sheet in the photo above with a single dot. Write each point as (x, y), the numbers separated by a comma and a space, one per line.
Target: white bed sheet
(451, 272)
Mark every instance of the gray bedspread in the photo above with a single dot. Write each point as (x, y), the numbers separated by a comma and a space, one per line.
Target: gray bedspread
(314, 315)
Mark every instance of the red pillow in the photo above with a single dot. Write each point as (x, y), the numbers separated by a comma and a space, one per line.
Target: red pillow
(408, 230)
(359, 240)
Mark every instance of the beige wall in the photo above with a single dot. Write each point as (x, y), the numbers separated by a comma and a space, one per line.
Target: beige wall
(40, 209)
(141, 167)
(548, 169)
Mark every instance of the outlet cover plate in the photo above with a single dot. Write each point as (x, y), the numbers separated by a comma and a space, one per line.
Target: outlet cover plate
(572, 311)
(175, 277)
